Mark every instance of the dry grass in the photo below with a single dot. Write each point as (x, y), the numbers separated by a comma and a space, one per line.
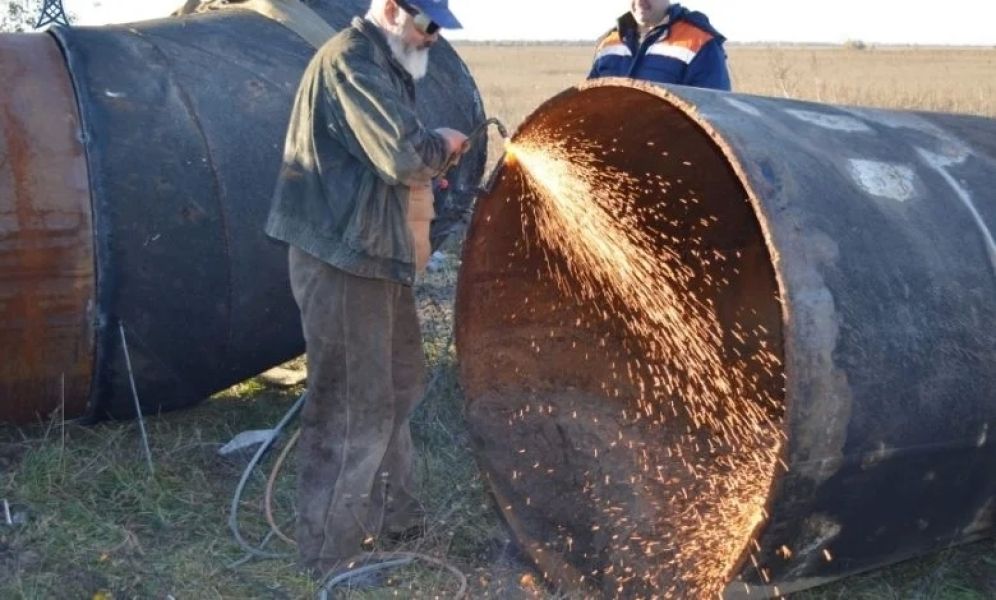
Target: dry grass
(97, 523)
(514, 80)
(946, 80)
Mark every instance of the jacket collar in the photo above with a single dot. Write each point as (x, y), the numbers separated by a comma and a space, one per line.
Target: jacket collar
(630, 31)
(372, 32)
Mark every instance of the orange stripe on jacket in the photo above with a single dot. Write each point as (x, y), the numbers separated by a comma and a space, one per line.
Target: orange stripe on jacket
(688, 36)
(611, 39)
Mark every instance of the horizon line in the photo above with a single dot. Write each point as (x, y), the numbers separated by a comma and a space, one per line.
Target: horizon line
(867, 43)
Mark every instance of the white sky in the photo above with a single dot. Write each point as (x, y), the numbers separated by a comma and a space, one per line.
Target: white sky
(953, 22)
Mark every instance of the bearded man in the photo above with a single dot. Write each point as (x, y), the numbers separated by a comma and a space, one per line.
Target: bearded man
(354, 203)
(664, 43)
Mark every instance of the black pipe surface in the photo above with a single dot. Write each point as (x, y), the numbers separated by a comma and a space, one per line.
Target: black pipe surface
(865, 263)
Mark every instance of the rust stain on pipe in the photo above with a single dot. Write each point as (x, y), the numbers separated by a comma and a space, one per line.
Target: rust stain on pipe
(46, 237)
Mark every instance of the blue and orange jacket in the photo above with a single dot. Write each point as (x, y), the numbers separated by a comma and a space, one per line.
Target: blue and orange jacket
(684, 49)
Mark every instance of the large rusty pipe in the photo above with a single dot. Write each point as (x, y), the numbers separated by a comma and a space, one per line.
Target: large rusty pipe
(865, 257)
(136, 167)
(47, 282)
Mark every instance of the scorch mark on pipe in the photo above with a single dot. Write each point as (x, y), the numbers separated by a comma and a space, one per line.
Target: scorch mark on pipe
(940, 164)
(883, 179)
(828, 121)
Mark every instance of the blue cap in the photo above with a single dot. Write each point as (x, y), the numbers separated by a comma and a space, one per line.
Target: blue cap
(438, 11)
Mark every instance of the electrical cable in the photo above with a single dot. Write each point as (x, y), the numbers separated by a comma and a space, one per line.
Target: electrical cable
(233, 516)
(271, 483)
(389, 560)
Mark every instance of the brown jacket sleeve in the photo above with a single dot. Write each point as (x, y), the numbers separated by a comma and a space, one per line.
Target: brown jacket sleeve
(378, 122)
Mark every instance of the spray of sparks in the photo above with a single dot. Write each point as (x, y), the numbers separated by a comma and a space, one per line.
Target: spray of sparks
(719, 424)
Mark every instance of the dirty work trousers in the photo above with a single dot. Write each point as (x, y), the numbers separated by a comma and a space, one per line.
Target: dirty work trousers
(366, 374)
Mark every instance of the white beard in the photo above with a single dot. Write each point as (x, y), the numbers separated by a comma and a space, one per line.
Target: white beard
(414, 60)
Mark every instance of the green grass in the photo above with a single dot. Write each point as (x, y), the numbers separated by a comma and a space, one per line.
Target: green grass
(963, 573)
(99, 526)
(99, 523)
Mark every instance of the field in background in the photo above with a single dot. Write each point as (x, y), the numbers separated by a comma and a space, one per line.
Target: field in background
(514, 79)
(97, 524)
(946, 80)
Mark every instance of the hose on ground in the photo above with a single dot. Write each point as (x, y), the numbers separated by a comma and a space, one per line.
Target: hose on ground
(271, 483)
(233, 515)
(388, 560)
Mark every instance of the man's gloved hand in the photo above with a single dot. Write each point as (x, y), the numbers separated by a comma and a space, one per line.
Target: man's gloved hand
(456, 144)
(456, 141)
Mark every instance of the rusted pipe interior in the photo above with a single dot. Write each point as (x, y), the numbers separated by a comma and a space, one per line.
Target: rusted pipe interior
(47, 276)
(545, 374)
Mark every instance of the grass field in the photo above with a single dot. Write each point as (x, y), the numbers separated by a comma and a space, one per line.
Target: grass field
(515, 79)
(98, 526)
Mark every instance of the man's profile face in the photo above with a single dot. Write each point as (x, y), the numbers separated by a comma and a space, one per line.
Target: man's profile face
(411, 36)
(409, 45)
(649, 12)
(415, 38)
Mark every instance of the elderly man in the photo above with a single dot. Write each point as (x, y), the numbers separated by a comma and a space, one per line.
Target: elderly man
(354, 202)
(664, 43)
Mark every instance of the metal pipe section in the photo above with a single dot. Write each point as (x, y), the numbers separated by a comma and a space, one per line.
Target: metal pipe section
(47, 281)
(864, 262)
(181, 123)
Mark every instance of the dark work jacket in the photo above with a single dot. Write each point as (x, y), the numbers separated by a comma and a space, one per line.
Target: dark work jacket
(354, 148)
(684, 49)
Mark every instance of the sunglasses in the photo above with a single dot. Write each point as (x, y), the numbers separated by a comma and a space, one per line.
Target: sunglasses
(422, 22)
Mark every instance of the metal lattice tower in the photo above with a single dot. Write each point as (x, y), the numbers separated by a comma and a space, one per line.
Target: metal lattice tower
(52, 13)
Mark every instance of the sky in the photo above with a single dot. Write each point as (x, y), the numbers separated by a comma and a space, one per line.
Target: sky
(926, 22)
